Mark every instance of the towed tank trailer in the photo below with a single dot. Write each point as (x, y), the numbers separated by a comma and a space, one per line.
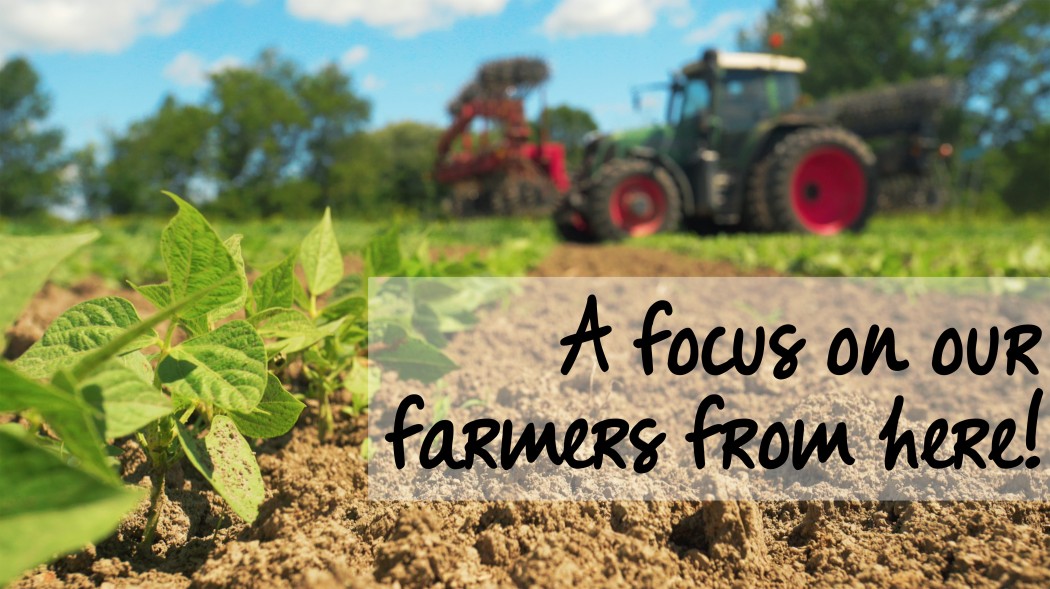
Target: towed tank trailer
(738, 148)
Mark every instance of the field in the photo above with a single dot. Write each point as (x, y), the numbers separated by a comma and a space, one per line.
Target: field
(317, 528)
(919, 245)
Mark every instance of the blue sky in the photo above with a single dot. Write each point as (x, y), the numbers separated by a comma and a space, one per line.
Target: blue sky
(109, 63)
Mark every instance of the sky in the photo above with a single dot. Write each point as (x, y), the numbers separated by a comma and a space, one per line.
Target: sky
(107, 63)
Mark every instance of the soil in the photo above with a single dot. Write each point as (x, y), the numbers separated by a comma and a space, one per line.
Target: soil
(318, 528)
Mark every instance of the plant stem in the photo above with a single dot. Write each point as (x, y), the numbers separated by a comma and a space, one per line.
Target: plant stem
(156, 502)
(159, 439)
(325, 421)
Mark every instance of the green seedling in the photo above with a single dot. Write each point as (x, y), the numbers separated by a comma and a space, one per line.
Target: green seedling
(198, 398)
(193, 381)
(61, 496)
(323, 321)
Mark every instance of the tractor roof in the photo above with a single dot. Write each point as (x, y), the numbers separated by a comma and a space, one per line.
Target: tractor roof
(746, 61)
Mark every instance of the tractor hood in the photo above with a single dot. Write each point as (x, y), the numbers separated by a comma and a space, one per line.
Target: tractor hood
(604, 147)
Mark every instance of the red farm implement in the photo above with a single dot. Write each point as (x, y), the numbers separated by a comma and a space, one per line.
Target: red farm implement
(493, 159)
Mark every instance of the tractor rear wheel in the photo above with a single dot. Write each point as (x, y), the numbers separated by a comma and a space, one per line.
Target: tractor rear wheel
(816, 180)
(632, 198)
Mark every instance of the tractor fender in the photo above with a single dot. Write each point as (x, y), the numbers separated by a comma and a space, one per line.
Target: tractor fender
(681, 181)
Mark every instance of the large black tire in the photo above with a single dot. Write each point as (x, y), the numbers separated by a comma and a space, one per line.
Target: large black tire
(815, 180)
(631, 198)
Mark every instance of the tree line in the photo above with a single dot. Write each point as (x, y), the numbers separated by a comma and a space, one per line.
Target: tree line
(273, 138)
(270, 138)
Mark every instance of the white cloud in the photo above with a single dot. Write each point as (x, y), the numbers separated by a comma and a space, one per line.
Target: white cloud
(356, 55)
(726, 22)
(88, 25)
(574, 18)
(190, 69)
(372, 82)
(406, 18)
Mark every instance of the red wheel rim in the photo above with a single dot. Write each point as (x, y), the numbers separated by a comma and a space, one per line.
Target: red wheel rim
(638, 206)
(828, 190)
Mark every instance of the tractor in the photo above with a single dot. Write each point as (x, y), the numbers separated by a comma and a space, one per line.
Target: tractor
(741, 148)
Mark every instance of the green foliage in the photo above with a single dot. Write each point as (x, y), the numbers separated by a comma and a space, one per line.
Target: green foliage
(997, 46)
(320, 258)
(568, 125)
(50, 507)
(914, 245)
(51, 504)
(406, 157)
(197, 258)
(166, 149)
(30, 157)
(25, 263)
(227, 462)
(1025, 190)
(79, 331)
(222, 369)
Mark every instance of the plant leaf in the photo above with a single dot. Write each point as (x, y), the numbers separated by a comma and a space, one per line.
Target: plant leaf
(383, 255)
(94, 359)
(197, 259)
(159, 295)
(361, 382)
(415, 359)
(319, 255)
(226, 460)
(275, 288)
(290, 330)
(276, 414)
(351, 306)
(225, 367)
(233, 245)
(83, 328)
(25, 263)
(127, 402)
(48, 507)
(74, 420)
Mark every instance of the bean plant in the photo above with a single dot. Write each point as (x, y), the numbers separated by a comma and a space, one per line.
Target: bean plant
(196, 381)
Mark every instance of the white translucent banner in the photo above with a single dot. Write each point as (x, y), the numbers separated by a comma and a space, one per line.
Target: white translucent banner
(711, 388)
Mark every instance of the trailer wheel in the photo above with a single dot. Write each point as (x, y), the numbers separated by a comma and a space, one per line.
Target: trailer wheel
(632, 198)
(819, 180)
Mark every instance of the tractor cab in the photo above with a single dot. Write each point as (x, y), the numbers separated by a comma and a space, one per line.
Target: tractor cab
(719, 101)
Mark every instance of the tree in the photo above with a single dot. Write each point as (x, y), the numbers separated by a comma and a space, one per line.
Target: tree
(851, 44)
(407, 150)
(30, 154)
(1004, 49)
(1025, 191)
(569, 125)
(165, 151)
(997, 47)
(337, 117)
(278, 133)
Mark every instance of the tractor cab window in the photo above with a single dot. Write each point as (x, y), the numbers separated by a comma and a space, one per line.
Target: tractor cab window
(695, 99)
(746, 99)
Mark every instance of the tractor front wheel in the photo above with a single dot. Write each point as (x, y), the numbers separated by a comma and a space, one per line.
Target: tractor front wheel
(632, 198)
(817, 180)
(570, 222)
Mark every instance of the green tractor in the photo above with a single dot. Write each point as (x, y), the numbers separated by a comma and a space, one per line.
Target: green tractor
(738, 149)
